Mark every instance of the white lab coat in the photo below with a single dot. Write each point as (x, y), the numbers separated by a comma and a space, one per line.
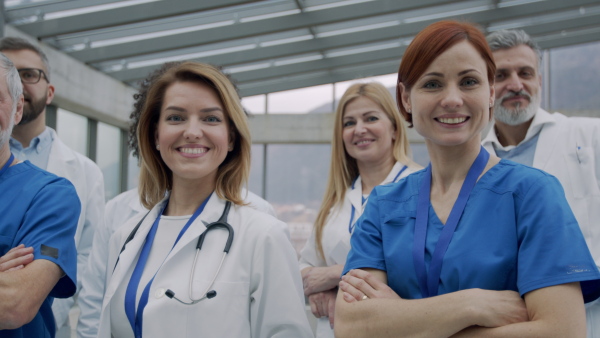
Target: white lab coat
(89, 183)
(336, 236)
(259, 289)
(569, 148)
(118, 210)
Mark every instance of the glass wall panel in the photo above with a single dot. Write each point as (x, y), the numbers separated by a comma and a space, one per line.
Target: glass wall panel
(133, 172)
(315, 99)
(296, 180)
(255, 181)
(575, 78)
(388, 80)
(255, 104)
(108, 155)
(73, 130)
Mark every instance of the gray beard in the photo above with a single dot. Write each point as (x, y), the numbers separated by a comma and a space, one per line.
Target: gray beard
(516, 116)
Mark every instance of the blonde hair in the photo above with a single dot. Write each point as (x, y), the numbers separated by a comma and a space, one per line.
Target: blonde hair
(155, 175)
(344, 169)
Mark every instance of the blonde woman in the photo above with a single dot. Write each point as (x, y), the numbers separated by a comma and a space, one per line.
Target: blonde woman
(369, 148)
(201, 262)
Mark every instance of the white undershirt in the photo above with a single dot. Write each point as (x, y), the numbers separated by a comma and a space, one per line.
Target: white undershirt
(166, 234)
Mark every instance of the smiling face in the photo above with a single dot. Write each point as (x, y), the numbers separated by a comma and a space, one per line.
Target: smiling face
(518, 84)
(368, 132)
(37, 95)
(450, 101)
(193, 134)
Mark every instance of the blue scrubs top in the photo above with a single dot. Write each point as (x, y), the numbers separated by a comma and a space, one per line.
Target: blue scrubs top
(41, 210)
(517, 233)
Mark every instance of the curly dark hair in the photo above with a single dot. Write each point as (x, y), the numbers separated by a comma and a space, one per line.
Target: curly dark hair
(140, 100)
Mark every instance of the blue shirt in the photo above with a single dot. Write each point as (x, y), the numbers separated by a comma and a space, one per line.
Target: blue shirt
(517, 233)
(38, 151)
(40, 210)
(523, 153)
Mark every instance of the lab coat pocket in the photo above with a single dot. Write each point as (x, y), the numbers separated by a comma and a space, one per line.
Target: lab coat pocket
(581, 167)
(214, 317)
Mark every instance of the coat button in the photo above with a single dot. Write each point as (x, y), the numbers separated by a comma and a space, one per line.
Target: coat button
(159, 293)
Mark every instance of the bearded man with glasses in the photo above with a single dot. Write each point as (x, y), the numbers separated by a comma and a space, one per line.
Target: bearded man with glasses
(32, 140)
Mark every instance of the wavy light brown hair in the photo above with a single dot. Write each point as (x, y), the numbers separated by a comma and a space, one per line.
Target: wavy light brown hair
(155, 175)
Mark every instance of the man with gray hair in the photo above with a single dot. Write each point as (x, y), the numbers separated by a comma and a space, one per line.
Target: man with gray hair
(566, 147)
(32, 140)
(39, 217)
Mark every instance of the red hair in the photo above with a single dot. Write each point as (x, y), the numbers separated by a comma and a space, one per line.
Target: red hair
(430, 43)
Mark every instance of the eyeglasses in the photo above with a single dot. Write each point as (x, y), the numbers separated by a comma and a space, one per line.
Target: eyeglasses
(31, 75)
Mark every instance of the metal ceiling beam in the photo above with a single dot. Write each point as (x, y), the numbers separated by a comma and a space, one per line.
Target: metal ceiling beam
(375, 68)
(358, 38)
(123, 16)
(35, 9)
(250, 29)
(313, 79)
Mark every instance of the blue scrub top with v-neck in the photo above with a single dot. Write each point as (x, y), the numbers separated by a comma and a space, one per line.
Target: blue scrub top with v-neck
(41, 210)
(517, 233)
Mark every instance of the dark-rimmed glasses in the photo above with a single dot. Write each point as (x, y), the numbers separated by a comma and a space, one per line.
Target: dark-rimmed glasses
(31, 75)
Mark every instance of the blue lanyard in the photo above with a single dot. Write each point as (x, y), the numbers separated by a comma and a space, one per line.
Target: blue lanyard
(429, 282)
(136, 319)
(353, 211)
(7, 164)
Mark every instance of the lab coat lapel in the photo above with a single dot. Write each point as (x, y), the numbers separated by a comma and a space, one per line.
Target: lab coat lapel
(128, 257)
(211, 213)
(355, 197)
(549, 136)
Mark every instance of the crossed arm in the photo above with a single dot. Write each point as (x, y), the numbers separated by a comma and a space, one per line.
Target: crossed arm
(320, 286)
(555, 311)
(23, 290)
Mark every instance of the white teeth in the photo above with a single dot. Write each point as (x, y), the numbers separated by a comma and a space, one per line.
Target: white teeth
(455, 120)
(363, 142)
(193, 150)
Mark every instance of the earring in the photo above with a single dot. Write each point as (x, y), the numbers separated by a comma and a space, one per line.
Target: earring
(409, 111)
(230, 147)
(157, 147)
(491, 104)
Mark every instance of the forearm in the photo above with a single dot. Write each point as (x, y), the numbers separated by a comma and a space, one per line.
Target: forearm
(22, 292)
(555, 311)
(440, 316)
(319, 279)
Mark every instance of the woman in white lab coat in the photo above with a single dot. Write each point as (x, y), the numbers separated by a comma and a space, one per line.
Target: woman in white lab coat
(369, 148)
(195, 149)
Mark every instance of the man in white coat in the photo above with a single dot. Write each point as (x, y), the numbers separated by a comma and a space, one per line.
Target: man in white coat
(566, 147)
(32, 140)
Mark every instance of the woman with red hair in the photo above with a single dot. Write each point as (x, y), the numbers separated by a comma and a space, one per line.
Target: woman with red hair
(450, 250)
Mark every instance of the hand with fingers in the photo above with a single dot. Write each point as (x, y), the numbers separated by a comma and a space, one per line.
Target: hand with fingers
(322, 304)
(360, 285)
(16, 258)
(318, 279)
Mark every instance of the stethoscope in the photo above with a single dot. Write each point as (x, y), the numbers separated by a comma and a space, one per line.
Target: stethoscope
(220, 223)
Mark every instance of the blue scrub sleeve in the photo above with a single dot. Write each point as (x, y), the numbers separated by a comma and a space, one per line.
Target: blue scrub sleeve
(552, 249)
(366, 241)
(49, 227)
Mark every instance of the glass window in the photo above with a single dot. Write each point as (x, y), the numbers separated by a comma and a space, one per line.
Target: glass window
(315, 99)
(420, 153)
(255, 104)
(296, 180)
(73, 130)
(255, 181)
(574, 79)
(108, 155)
(389, 81)
(133, 172)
